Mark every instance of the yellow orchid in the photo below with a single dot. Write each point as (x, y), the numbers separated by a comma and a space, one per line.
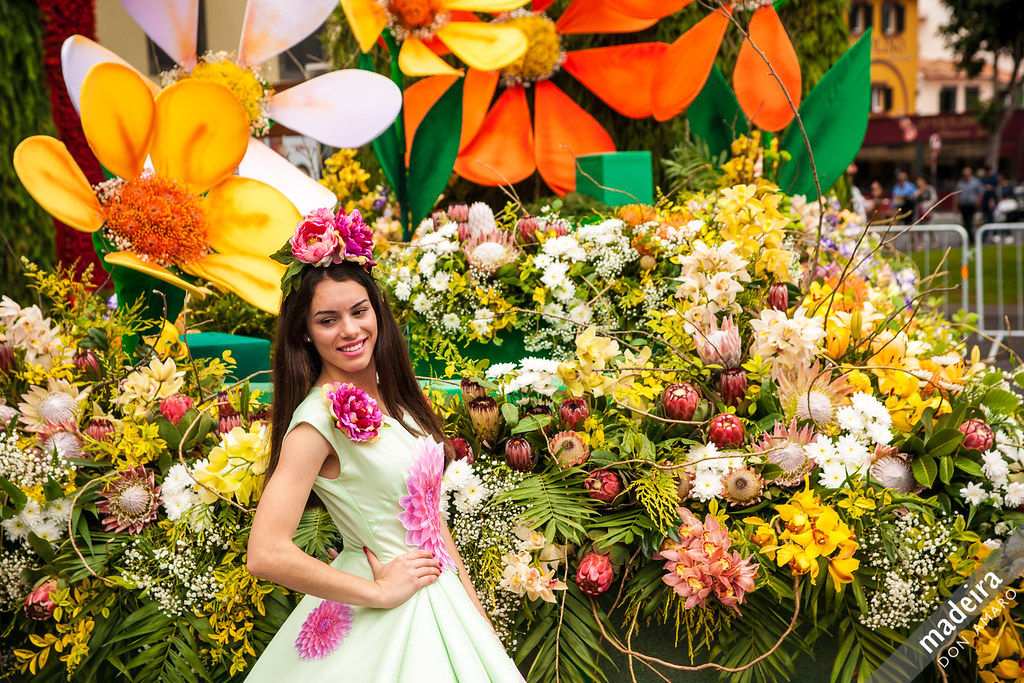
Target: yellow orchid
(236, 465)
(417, 23)
(827, 533)
(189, 212)
(842, 566)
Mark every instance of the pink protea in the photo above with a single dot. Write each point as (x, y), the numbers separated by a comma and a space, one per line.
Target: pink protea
(573, 411)
(784, 446)
(63, 438)
(490, 249)
(519, 454)
(471, 390)
(603, 485)
(719, 346)
(595, 573)
(978, 435)
(421, 509)
(130, 500)
(39, 604)
(463, 451)
(99, 429)
(6, 356)
(778, 296)
(680, 401)
(88, 363)
(810, 394)
(732, 385)
(174, 407)
(324, 630)
(569, 448)
(355, 413)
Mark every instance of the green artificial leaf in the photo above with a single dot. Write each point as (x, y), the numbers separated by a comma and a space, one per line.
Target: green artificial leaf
(434, 148)
(835, 117)
(510, 412)
(715, 115)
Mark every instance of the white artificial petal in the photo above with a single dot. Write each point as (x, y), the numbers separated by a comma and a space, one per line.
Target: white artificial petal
(172, 24)
(78, 55)
(343, 109)
(264, 164)
(272, 26)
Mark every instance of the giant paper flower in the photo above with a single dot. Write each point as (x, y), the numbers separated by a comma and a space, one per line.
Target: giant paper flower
(499, 144)
(766, 76)
(426, 27)
(421, 509)
(345, 108)
(189, 212)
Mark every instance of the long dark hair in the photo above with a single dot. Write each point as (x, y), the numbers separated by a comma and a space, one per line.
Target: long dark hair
(296, 363)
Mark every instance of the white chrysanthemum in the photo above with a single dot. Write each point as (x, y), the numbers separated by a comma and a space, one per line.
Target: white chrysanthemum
(821, 451)
(457, 474)
(870, 407)
(705, 456)
(852, 452)
(450, 322)
(48, 530)
(60, 510)
(177, 479)
(879, 433)
(176, 505)
(426, 264)
(1014, 495)
(566, 247)
(482, 320)
(707, 485)
(832, 476)
(489, 256)
(439, 281)
(403, 290)
(850, 419)
(973, 493)
(994, 466)
(16, 528)
(422, 304)
(500, 370)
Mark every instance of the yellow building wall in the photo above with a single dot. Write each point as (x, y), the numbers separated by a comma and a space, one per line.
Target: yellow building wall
(894, 58)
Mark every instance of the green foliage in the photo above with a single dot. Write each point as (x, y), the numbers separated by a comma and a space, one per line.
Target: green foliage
(690, 163)
(658, 493)
(554, 503)
(564, 642)
(24, 111)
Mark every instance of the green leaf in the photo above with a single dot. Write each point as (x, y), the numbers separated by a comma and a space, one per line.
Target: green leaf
(946, 469)
(1001, 401)
(434, 148)
(18, 496)
(835, 117)
(715, 115)
(969, 466)
(925, 470)
(510, 412)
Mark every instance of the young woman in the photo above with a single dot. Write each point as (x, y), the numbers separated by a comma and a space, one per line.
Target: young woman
(353, 431)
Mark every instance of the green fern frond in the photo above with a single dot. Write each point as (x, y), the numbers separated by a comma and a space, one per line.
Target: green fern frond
(658, 493)
(555, 502)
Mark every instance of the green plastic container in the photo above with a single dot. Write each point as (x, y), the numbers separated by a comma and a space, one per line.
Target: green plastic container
(616, 178)
(250, 353)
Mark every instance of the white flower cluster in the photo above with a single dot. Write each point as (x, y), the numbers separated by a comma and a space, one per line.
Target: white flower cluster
(534, 374)
(464, 485)
(177, 578)
(49, 523)
(790, 342)
(1003, 472)
(709, 465)
(31, 467)
(554, 261)
(607, 247)
(27, 329)
(12, 586)
(421, 281)
(176, 492)
(710, 277)
(906, 591)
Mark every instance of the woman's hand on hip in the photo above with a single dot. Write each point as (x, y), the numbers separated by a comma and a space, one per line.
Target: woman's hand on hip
(400, 578)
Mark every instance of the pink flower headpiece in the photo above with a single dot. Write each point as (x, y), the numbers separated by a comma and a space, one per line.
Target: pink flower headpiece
(322, 238)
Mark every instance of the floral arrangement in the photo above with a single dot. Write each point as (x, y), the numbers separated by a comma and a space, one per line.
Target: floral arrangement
(355, 413)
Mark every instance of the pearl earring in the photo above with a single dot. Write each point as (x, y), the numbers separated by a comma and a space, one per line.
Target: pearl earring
(308, 339)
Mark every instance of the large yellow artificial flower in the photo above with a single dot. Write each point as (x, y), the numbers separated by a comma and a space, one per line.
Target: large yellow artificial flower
(189, 212)
(416, 23)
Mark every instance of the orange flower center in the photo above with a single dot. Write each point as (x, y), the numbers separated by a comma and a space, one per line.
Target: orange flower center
(543, 55)
(415, 18)
(158, 219)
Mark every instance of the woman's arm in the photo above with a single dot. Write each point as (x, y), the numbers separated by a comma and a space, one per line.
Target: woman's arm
(463, 574)
(273, 555)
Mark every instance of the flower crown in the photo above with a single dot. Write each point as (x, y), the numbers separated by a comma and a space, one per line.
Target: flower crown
(322, 238)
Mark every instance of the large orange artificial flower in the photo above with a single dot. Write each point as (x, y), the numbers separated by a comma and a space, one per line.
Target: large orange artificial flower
(766, 77)
(499, 144)
(189, 211)
(419, 25)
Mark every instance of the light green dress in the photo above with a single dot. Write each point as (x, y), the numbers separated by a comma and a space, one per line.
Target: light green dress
(436, 635)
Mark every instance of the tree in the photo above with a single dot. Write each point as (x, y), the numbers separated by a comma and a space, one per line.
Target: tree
(984, 32)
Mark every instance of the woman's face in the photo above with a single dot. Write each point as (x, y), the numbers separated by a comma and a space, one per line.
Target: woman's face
(342, 325)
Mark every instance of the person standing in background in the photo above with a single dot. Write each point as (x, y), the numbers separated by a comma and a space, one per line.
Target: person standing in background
(969, 192)
(924, 197)
(903, 197)
(989, 182)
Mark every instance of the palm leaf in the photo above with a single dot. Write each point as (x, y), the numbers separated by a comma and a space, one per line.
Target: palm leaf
(555, 502)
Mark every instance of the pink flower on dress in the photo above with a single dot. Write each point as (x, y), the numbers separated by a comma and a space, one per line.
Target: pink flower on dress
(421, 512)
(355, 413)
(316, 238)
(324, 629)
(356, 239)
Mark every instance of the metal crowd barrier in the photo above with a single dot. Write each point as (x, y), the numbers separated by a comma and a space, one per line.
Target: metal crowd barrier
(950, 282)
(1004, 317)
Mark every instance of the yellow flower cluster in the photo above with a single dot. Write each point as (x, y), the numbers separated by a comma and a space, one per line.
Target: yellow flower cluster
(998, 645)
(73, 629)
(585, 373)
(749, 216)
(232, 611)
(344, 175)
(750, 161)
(236, 465)
(811, 530)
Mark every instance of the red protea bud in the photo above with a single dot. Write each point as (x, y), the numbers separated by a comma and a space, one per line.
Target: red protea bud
(603, 485)
(99, 429)
(88, 363)
(527, 228)
(174, 407)
(569, 448)
(39, 603)
(260, 413)
(463, 451)
(6, 356)
(224, 407)
(726, 431)
(680, 401)
(595, 573)
(483, 413)
(732, 384)
(573, 411)
(978, 435)
(226, 424)
(778, 297)
(557, 227)
(471, 390)
(458, 213)
(519, 454)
